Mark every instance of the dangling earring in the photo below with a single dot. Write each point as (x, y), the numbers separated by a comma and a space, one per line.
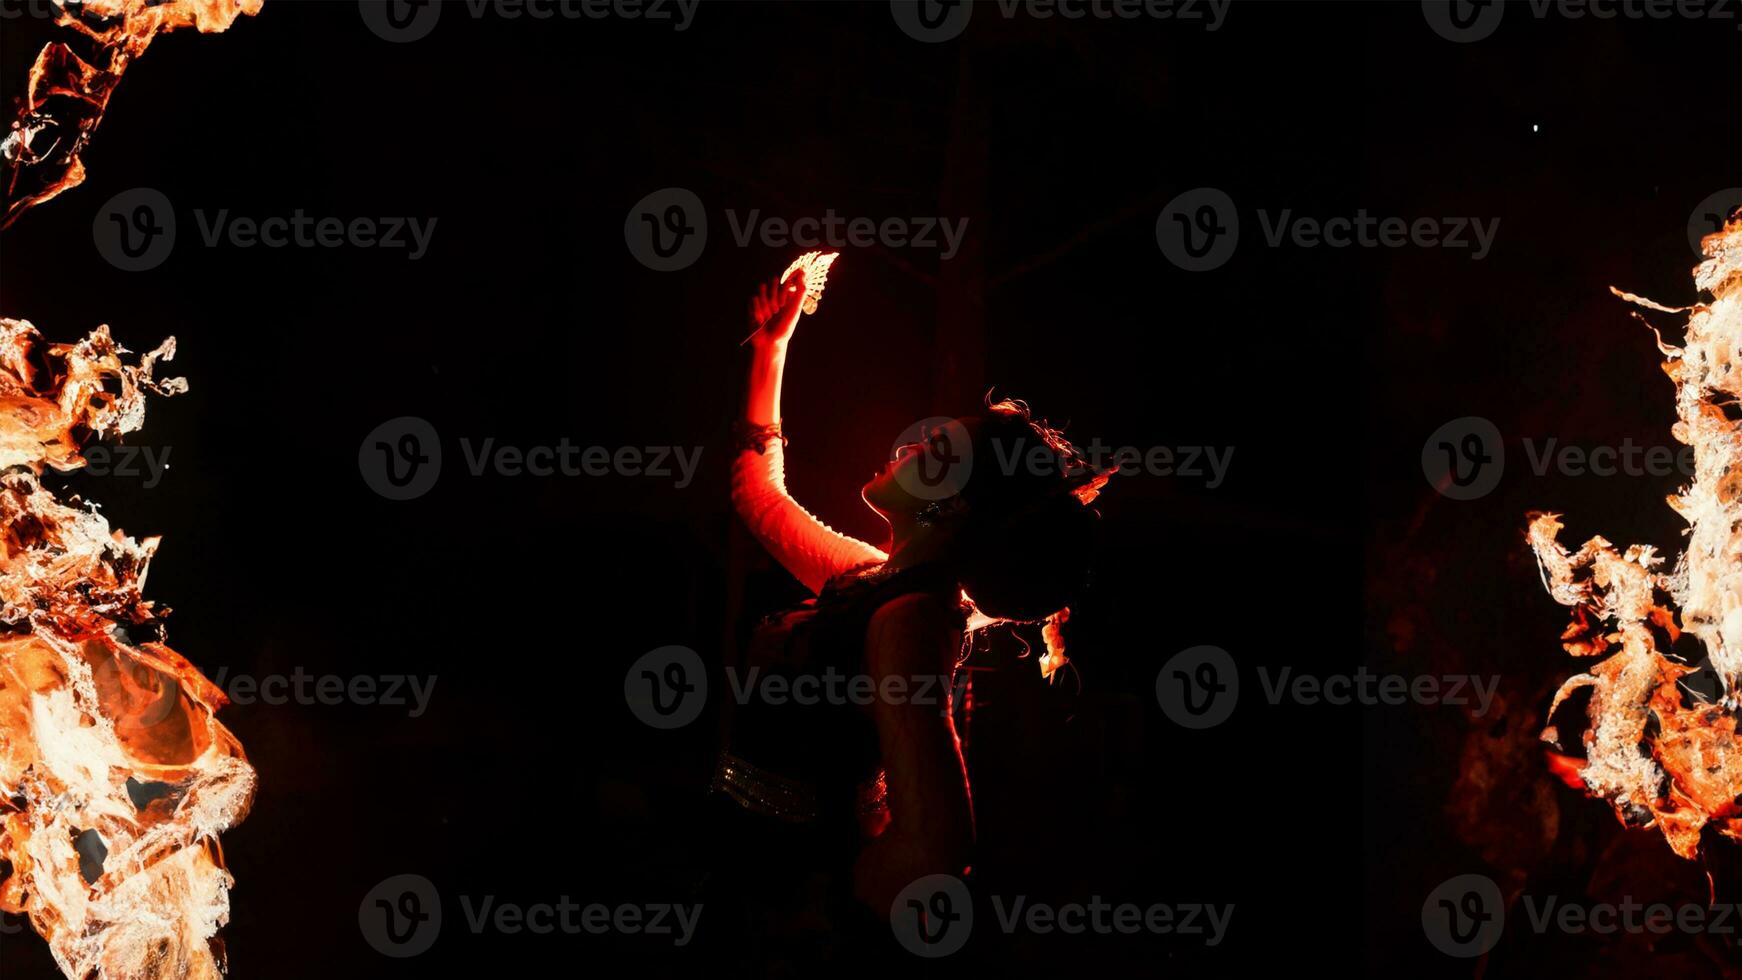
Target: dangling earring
(928, 515)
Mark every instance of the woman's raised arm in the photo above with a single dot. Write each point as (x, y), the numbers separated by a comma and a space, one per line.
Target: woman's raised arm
(811, 550)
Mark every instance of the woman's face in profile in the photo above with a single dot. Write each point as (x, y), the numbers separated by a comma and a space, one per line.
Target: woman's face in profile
(924, 471)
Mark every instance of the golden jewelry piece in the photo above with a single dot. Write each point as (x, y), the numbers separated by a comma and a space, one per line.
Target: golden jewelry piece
(760, 791)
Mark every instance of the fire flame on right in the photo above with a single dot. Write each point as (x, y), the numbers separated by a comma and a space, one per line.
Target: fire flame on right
(1665, 755)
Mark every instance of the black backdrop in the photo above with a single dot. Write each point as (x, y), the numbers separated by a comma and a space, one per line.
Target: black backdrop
(529, 321)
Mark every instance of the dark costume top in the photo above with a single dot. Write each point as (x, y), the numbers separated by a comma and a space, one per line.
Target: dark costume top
(799, 770)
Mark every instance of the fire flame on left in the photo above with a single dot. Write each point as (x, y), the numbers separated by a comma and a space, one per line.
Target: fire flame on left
(72, 80)
(115, 776)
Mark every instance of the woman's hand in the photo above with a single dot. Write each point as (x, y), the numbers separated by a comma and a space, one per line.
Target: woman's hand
(775, 309)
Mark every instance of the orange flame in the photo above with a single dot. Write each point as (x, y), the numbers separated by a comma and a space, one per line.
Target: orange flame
(116, 774)
(1665, 757)
(67, 94)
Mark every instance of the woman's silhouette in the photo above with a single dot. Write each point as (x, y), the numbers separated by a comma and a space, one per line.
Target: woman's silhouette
(833, 804)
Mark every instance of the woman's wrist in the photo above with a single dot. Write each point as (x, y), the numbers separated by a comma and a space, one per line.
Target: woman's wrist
(762, 394)
(764, 346)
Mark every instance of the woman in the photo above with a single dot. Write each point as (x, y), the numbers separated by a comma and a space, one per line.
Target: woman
(835, 804)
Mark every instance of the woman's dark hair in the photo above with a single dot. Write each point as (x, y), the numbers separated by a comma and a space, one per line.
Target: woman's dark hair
(1029, 532)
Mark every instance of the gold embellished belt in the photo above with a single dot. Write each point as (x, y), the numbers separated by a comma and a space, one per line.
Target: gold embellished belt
(771, 794)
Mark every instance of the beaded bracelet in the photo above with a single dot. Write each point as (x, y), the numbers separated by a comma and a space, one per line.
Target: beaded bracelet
(746, 435)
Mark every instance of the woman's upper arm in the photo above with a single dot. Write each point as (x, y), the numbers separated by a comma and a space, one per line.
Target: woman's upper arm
(811, 550)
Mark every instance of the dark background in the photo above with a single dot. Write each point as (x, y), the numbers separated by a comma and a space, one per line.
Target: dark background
(529, 321)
